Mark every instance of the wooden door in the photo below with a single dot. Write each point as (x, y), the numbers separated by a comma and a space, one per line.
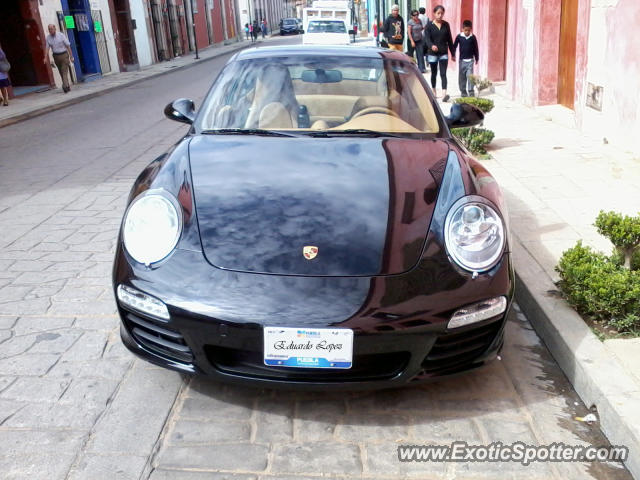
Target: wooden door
(567, 53)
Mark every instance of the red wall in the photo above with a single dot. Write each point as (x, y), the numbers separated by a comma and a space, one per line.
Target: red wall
(231, 19)
(216, 22)
(582, 45)
(490, 28)
(466, 10)
(201, 25)
(547, 31)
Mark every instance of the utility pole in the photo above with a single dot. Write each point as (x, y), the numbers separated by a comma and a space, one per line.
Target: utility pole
(193, 27)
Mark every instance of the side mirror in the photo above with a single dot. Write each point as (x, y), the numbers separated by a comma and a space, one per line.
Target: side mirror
(181, 110)
(352, 32)
(464, 115)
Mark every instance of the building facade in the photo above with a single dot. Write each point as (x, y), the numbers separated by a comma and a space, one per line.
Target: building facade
(578, 54)
(109, 36)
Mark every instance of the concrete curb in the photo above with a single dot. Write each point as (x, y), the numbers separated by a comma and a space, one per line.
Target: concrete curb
(223, 50)
(593, 371)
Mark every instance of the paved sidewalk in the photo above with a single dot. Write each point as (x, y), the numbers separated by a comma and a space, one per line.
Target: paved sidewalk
(555, 181)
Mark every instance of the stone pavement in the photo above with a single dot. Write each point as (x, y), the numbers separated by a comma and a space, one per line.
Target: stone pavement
(554, 179)
(262, 434)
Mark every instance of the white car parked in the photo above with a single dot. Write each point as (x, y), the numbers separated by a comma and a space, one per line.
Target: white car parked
(326, 32)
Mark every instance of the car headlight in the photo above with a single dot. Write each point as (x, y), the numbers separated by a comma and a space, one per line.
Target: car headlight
(152, 226)
(474, 235)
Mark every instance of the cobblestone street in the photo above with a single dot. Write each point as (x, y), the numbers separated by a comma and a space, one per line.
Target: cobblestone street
(278, 434)
(75, 404)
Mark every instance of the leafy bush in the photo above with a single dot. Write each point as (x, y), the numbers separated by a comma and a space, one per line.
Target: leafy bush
(596, 285)
(623, 231)
(484, 104)
(480, 82)
(629, 323)
(475, 139)
(618, 258)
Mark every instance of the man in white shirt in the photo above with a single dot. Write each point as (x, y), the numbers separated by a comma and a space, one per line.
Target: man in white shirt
(62, 55)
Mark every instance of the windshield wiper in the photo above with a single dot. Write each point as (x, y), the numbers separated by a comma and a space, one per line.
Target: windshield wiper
(356, 131)
(246, 131)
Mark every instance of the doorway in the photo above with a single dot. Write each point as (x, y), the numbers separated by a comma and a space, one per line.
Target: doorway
(126, 37)
(567, 53)
(21, 39)
(82, 39)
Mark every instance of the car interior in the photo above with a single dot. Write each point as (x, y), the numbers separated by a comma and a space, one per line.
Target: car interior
(389, 98)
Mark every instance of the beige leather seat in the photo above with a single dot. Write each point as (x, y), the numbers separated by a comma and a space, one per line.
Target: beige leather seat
(275, 115)
(274, 102)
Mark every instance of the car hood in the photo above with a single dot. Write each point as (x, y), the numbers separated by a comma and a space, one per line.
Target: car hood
(365, 204)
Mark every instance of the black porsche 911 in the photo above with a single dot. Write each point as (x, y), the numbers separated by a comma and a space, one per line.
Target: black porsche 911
(318, 226)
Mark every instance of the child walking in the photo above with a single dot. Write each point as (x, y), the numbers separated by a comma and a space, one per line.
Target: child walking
(468, 53)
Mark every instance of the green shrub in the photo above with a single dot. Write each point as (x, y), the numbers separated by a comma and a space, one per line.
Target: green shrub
(622, 231)
(597, 286)
(618, 257)
(475, 139)
(484, 104)
(479, 82)
(628, 323)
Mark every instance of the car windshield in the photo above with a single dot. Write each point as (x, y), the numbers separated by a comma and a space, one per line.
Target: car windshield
(290, 21)
(327, 26)
(314, 93)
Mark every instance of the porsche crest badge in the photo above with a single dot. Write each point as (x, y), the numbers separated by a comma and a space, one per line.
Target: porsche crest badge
(310, 252)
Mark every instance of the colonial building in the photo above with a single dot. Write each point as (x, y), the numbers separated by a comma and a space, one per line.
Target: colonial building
(23, 32)
(109, 36)
(578, 54)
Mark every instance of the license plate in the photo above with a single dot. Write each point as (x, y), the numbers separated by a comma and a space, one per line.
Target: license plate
(308, 347)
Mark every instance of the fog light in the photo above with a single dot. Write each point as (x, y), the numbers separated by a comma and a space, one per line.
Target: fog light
(142, 302)
(478, 312)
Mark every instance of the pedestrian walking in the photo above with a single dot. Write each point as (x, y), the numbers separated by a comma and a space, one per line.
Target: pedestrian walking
(425, 23)
(415, 30)
(62, 55)
(438, 37)
(393, 29)
(374, 29)
(5, 83)
(253, 38)
(468, 44)
(246, 30)
(263, 27)
(256, 28)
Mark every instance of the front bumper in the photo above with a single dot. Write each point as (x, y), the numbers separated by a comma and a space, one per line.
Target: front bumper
(399, 322)
(234, 352)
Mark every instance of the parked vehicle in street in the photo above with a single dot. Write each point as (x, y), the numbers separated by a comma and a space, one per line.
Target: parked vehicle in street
(290, 26)
(326, 32)
(318, 226)
(328, 10)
